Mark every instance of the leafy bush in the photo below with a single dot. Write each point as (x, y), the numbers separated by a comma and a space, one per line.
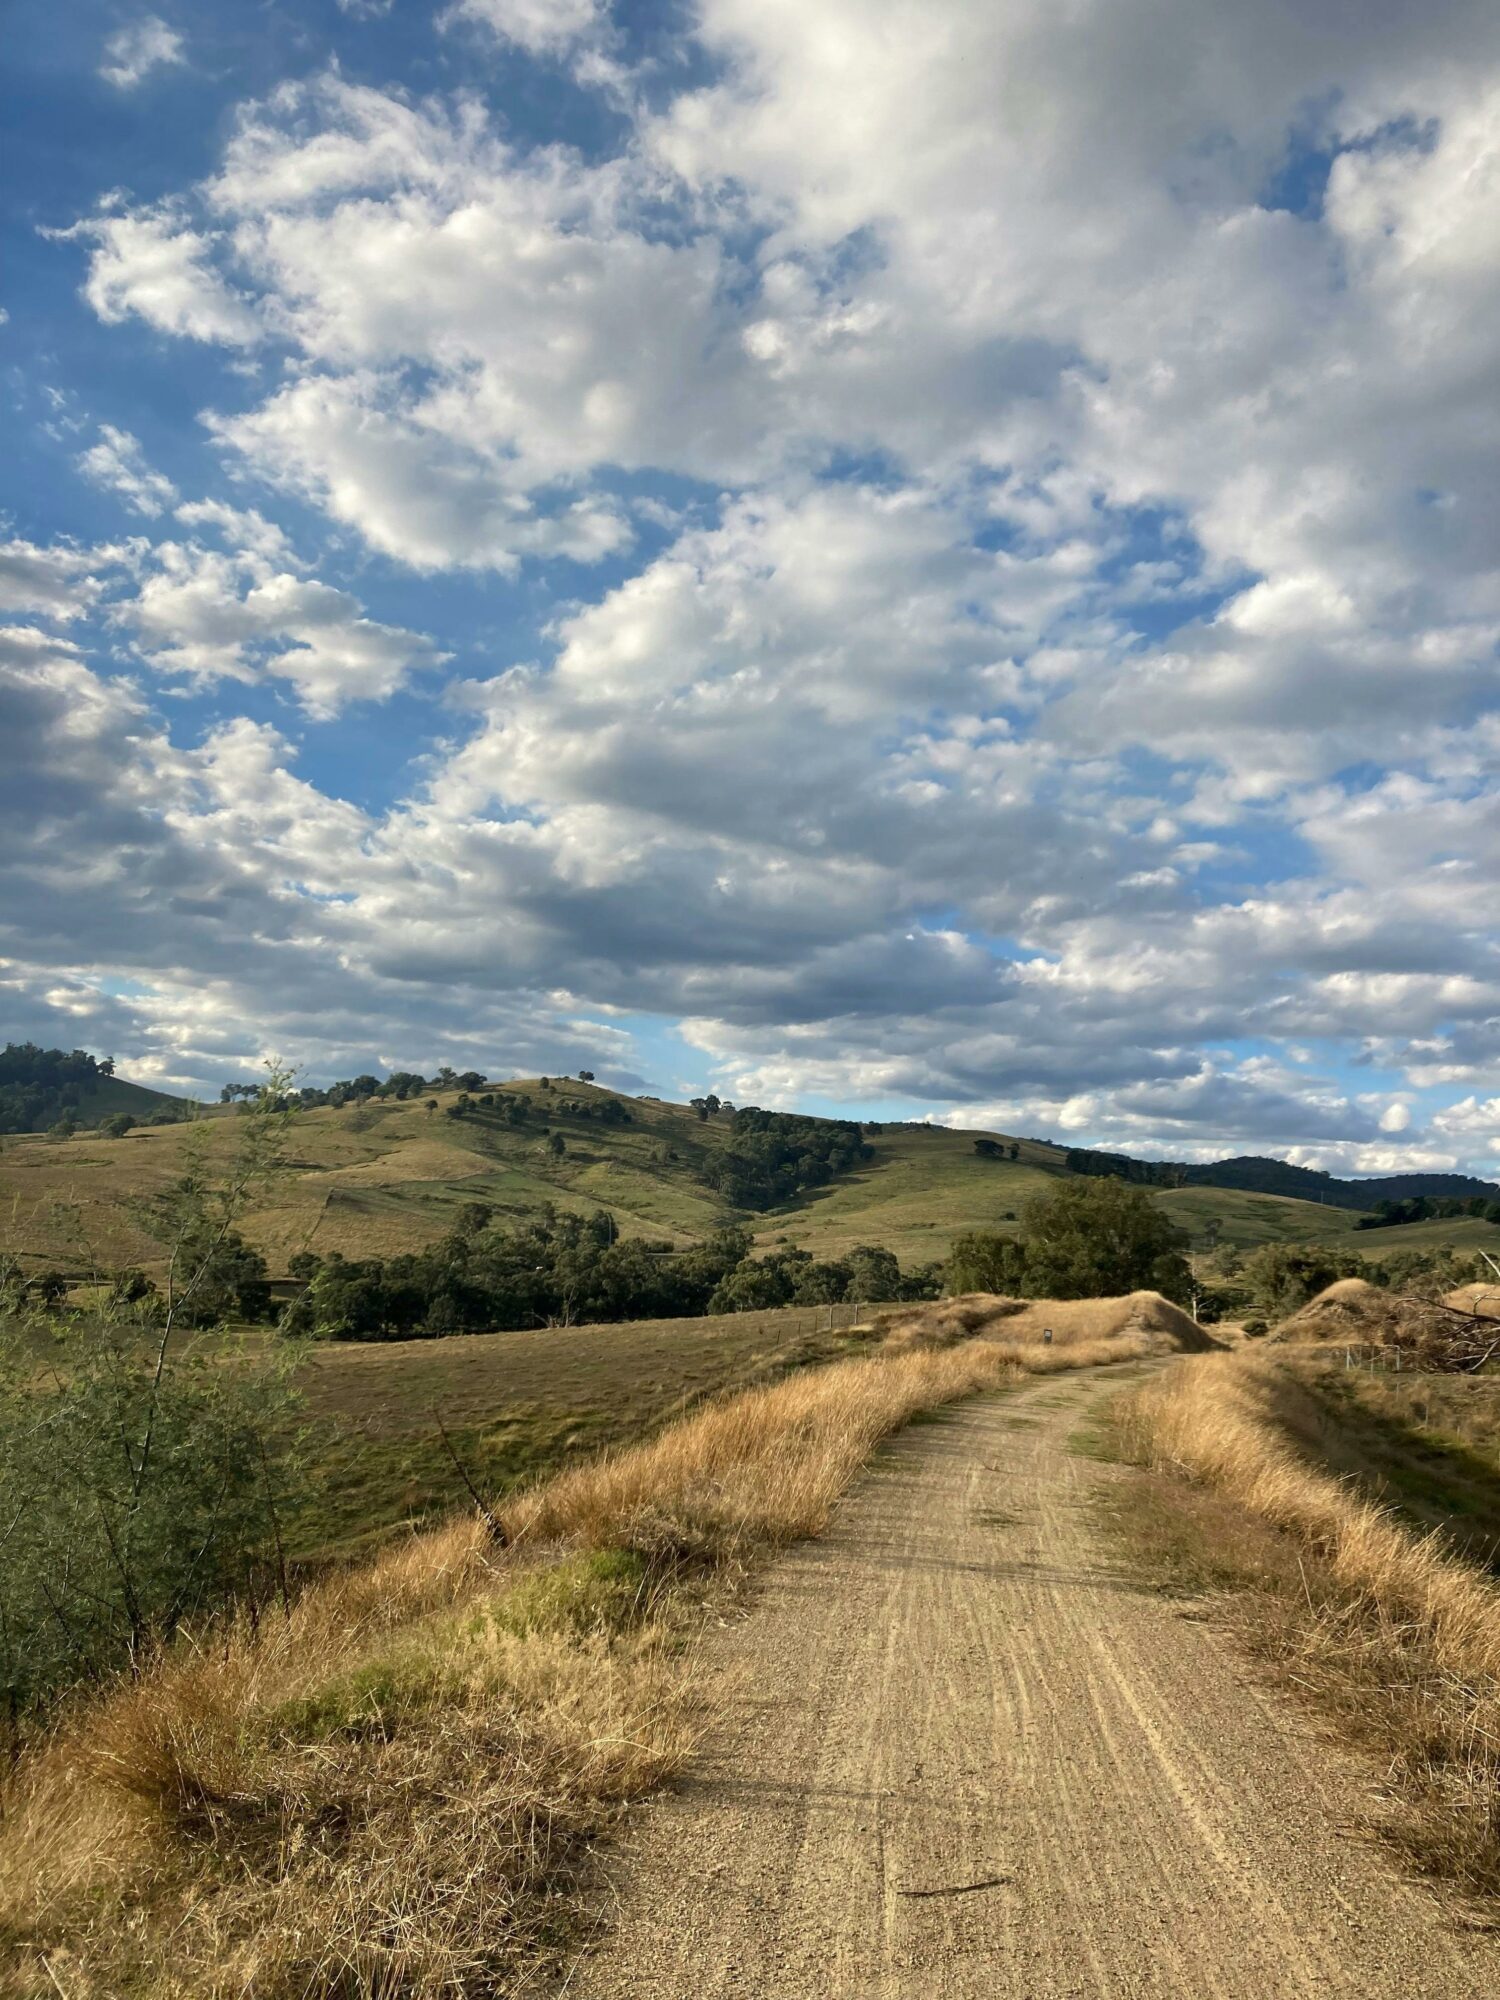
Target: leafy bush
(140, 1477)
(1278, 1278)
(130, 1500)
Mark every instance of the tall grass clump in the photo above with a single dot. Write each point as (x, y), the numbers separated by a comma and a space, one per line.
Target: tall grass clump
(388, 1789)
(1389, 1629)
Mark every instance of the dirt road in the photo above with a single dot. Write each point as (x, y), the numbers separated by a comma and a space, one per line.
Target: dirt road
(969, 1758)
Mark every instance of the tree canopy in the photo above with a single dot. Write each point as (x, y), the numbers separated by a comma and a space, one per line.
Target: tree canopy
(40, 1087)
(1079, 1239)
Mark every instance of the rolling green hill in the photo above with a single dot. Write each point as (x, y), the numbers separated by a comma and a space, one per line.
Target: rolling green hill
(1247, 1220)
(378, 1177)
(1458, 1232)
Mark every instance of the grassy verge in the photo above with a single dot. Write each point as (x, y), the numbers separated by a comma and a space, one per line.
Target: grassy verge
(1387, 1631)
(389, 1790)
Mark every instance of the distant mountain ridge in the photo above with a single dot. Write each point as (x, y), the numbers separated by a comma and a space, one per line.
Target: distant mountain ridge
(1257, 1174)
(1264, 1176)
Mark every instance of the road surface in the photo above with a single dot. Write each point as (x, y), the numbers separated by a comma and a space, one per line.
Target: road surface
(969, 1759)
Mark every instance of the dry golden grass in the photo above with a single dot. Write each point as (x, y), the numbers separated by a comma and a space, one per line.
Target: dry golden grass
(766, 1467)
(1385, 1627)
(1481, 1299)
(389, 1790)
(1144, 1317)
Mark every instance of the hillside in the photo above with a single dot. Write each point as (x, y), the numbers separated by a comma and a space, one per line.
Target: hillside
(40, 1087)
(1247, 1219)
(370, 1179)
(375, 1178)
(1456, 1232)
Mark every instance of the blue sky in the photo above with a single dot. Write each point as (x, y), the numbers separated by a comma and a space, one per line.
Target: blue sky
(933, 562)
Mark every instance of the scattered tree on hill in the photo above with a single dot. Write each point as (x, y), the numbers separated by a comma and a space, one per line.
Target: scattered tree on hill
(982, 1260)
(875, 1276)
(117, 1125)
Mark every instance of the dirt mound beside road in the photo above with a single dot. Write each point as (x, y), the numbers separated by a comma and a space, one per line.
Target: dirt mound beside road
(1143, 1317)
(1353, 1309)
(1453, 1336)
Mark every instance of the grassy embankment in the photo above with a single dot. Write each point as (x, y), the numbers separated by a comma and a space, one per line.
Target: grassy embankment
(1425, 1445)
(390, 1790)
(1253, 1488)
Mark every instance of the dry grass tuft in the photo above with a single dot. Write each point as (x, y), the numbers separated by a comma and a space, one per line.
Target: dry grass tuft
(390, 1791)
(1388, 1629)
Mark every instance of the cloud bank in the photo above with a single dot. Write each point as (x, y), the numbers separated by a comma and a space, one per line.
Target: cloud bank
(1008, 495)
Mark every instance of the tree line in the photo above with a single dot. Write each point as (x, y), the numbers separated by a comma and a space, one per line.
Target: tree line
(1430, 1208)
(1121, 1167)
(568, 1270)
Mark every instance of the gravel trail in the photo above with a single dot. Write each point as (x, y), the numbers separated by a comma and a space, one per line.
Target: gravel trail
(968, 1757)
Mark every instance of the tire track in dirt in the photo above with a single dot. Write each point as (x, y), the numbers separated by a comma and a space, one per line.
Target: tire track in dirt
(968, 1757)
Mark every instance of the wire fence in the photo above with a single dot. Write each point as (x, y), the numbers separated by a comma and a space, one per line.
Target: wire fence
(1379, 1359)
